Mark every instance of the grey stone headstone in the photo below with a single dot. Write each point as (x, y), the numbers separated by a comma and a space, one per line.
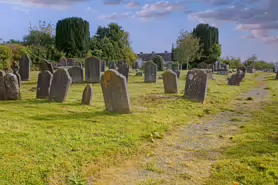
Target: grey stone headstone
(150, 70)
(2, 86)
(18, 78)
(115, 92)
(120, 63)
(124, 70)
(25, 67)
(92, 69)
(202, 65)
(139, 73)
(103, 66)
(223, 72)
(87, 95)
(196, 85)
(209, 73)
(178, 73)
(217, 66)
(12, 89)
(44, 83)
(63, 61)
(60, 86)
(169, 66)
(236, 79)
(76, 74)
(71, 62)
(112, 65)
(46, 66)
(170, 81)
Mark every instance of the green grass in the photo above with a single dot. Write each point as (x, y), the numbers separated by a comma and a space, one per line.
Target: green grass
(254, 157)
(66, 143)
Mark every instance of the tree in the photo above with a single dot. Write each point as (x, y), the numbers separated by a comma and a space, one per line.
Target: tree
(5, 55)
(18, 51)
(73, 36)
(233, 62)
(214, 53)
(159, 61)
(188, 47)
(250, 62)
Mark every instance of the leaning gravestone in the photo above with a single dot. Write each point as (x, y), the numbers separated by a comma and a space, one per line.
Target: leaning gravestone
(25, 67)
(76, 74)
(196, 85)
(2, 86)
(60, 86)
(46, 66)
(202, 65)
(92, 69)
(87, 95)
(150, 70)
(235, 79)
(124, 70)
(115, 92)
(44, 83)
(103, 66)
(63, 61)
(112, 65)
(12, 90)
(170, 81)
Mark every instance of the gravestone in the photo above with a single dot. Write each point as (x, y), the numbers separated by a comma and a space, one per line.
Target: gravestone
(18, 77)
(236, 79)
(115, 92)
(63, 61)
(243, 69)
(209, 73)
(211, 66)
(112, 65)
(202, 65)
(87, 95)
(223, 72)
(169, 66)
(77, 74)
(170, 81)
(78, 64)
(92, 69)
(250, 70)
(44, 83)
(2, 86)
(46, 66)
(12, 90)
(196, 85)
(120, 63)
(103, 66)
(150, 70)
(25, 67)
(139, 73)
(72, 62)
(60, 86)
(217, 65)
(124, 70)
(178, 73)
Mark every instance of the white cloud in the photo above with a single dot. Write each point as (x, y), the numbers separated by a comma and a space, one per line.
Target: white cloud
(116, 16)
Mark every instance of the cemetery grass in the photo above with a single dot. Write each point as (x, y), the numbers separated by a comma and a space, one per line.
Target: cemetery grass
(253, 158)
(54, 143)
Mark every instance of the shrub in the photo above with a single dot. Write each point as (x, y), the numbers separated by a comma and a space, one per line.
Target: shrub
(18, 51)
(159, 61)
(175, 66)
(6, 55)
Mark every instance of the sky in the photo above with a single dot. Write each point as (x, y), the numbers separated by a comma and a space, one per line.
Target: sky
(246, 27)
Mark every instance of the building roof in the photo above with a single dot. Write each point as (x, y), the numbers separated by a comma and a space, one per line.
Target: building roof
(167, 56)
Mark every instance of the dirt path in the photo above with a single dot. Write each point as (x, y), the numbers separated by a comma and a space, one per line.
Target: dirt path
(185, 156)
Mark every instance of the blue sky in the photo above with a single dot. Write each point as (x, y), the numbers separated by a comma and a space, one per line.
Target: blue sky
(246, 26)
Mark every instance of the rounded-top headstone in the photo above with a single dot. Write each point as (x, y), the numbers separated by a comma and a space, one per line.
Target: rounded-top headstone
(92, 69)
(170, 81)
(44, 83)
(150, 70)
(25, 67)
(12, 89)
(87, 95)
(46, 66)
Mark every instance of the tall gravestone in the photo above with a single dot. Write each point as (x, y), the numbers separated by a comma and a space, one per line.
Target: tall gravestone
(76, 74)
(46, 66)
(124, 70)
(196, 85)
(2, 86)
(44, 83)
(87, 95)
(170, 81)
(150, 70)
(112, 65)
(115, 92)
(60, 86)
(92, 69)
(63, 61)
(12, 90)
(103, 66)
(25, 67)
(217, 65)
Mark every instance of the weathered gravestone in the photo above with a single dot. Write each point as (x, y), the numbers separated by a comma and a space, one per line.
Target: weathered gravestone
(25, 67)
(44, 83)
(87, 95)
(196, 85)
(103, 66)
(12, 90)
(124, 70)
(150, 70)
(170, 81)
(236, 79)
(63, 61)
(76, 74)
(2, 86)
(169, 66)
(120, 63)
(115, 92)
(60, 86)
(178, 73)
(112, 65)
(72, 62)
(46, 66)
(92, 69)
(202, 65)
(243, 69)
(18, 77)
(217, 65)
